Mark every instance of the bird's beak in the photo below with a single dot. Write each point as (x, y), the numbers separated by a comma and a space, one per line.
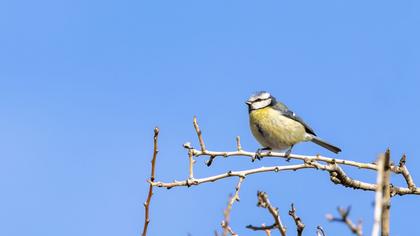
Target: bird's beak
(248, 103)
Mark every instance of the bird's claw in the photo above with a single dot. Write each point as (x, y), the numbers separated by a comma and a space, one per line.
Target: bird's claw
(257, 155)
(287, 154)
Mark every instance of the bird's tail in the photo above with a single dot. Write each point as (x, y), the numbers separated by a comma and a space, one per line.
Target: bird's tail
(326, 145)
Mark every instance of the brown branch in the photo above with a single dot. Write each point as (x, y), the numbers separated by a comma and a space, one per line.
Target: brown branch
(152, 178)
(299, 224)
(264, 202)
(225, 223)
(386, 197)
(344, 213)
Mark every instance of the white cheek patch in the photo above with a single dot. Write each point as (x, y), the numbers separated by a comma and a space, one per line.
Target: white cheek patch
(260, 104)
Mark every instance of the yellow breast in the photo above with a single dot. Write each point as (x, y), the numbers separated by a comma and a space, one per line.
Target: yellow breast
(273, 130)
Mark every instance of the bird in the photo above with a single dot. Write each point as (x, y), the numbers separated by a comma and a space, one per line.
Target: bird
(276, 127)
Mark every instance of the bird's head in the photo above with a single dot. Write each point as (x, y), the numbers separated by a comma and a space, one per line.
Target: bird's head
(260, 100)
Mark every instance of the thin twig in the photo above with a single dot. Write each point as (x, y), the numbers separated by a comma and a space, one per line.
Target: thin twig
(264, 202)
(344, 213)
(152, 178)
(229, 174)
(238, 144)
(191, 160)
(299, 224)
(267, 231)
(225, 223)
(199, 135)
(262, 227)
(402, 168)
(191, 165)
(320, 231)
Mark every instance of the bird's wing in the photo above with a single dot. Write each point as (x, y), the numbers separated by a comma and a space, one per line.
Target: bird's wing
(284, 110)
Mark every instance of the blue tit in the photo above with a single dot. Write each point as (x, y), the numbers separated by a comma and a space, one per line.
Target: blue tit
(277, 128)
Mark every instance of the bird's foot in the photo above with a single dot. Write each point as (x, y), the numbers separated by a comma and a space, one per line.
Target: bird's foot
(287, 154)
(258, 153)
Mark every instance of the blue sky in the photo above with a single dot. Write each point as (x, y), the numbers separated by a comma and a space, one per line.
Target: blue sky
(83, 84)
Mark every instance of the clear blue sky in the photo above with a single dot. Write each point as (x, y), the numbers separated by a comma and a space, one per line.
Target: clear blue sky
(83, 83)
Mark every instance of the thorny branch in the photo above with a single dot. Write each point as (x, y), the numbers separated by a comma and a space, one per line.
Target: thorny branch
(152, 178)
(344, 213)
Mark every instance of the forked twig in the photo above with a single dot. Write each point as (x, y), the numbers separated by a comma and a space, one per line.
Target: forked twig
(344, 213)
(299, 224)
(264, 202)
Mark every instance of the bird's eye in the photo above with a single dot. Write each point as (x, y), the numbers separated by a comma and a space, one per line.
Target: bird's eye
(259, 99)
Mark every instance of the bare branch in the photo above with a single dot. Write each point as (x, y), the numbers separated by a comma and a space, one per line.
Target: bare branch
(378, 197)
(264, 202)
(199, 135)
(402, 168)
(337, 175)
(271, 154)
(241, 153)
(191, 165)
(299, 224)
(238, 143)
(152, 178)
(267, 231)
(262, 227)
(320, 231)
(225, 223)
(229, 174)
(344, 213)
(386, 197)
(384, 190)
